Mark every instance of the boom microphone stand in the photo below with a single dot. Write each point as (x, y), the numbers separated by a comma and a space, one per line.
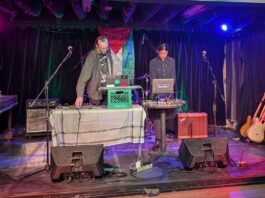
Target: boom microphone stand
(46, 89)
(215, 86)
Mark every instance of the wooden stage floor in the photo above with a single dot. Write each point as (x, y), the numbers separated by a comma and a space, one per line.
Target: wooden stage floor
(21, 157)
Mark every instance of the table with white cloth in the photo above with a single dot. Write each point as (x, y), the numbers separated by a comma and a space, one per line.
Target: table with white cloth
(97, 125)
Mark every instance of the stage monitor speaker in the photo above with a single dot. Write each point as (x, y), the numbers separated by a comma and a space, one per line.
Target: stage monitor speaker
(76, 159)
(197, 151)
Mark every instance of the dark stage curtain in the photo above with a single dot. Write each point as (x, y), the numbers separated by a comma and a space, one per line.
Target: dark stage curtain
(29, 56)
(245, 75)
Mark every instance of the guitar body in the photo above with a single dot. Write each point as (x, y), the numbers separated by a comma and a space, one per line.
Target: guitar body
(256, 132)
(243, 130)
(257, 129)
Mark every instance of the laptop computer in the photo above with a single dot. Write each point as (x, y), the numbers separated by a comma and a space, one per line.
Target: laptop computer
(117, 80)
(163, 86)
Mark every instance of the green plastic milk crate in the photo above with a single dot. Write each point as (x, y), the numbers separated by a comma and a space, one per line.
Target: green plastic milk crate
(119, 98)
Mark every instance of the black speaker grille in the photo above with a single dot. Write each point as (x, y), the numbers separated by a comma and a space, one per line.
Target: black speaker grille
(195, 150)
(88, 157)
(36, 121)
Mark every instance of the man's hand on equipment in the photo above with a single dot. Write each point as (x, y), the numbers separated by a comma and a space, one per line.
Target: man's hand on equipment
(79, 101)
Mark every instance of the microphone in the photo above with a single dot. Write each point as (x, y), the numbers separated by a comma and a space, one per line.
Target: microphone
(70, 48)
(143, 38)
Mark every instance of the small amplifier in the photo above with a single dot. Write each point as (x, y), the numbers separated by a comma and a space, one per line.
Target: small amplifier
(36, 115)
(41, 103)
(192, 125)
(36, 121)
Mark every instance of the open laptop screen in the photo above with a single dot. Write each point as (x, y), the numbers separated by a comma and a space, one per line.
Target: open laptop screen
(117, 80)
(162, 86)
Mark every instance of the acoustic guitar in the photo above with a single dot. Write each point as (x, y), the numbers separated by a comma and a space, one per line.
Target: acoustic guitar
(257, 129)
(243, 130)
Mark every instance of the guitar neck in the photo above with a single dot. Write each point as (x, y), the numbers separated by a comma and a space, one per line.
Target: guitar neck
(262, 115)
(259, 107)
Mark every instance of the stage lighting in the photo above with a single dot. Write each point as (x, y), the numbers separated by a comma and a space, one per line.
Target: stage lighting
(224, 27)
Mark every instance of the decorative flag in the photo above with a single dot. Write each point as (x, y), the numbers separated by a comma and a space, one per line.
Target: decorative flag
(122, 50)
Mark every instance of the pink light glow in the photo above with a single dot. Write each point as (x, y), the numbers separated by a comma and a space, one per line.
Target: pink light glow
(194, 10)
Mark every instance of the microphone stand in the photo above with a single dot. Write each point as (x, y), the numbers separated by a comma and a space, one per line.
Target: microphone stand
(150, 44)
(81, 61)
(46, 89)
(215, 86)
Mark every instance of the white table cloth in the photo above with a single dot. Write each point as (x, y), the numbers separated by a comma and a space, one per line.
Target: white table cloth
(97, 125)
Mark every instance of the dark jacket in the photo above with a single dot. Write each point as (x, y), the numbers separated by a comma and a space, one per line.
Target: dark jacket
(91, 75)
(159, 69)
